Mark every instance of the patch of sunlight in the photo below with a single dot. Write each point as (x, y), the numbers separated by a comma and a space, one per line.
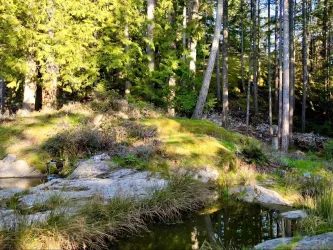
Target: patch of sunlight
(24, 136)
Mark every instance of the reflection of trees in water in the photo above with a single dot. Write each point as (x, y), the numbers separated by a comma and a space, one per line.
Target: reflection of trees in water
(235, 225)
(244, 225)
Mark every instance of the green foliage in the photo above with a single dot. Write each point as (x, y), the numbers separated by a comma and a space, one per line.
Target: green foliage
(254, 154)
(77, 142)
(328, 149)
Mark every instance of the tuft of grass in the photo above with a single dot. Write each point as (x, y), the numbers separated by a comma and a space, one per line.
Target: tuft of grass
(324, 204)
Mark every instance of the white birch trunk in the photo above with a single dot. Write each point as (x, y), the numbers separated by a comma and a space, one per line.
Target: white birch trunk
(208, 74)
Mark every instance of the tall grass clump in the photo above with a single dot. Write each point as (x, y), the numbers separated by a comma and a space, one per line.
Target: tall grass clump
(320, 210)
(324, 204)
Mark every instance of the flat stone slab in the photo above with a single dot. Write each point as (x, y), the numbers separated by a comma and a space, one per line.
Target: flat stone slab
(258, 194)
(123, 182)
(118, 183)
(272, 244)
(322, 241)
(10, 167)
(297, 214)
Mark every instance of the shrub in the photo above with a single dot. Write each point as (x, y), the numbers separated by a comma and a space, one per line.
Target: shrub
(253, 154)
(141, 131)
(328, 149)
(77, 142)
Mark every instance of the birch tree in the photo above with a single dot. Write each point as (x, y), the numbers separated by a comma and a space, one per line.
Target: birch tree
(150, 34)
(208, 74)
(194, 40)
(305, 72)
(286, 99)
(225, 97)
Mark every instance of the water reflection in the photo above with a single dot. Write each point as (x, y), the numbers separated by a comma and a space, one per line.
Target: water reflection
(237, 224)
(20, 182)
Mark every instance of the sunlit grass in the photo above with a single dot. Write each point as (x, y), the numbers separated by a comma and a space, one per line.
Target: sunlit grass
(195, 143)
(24, 136)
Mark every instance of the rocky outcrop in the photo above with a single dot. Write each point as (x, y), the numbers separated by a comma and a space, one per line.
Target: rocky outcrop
(273, 244)
(97, 165)
(322, 241)
(259, 194)
(124, 183)
(10, 167)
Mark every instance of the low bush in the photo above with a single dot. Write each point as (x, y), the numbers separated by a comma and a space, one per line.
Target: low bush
(77, 142)
(253, 154)
(328, 149)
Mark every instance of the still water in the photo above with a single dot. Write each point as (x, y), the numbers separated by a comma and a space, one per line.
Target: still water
(235, 225)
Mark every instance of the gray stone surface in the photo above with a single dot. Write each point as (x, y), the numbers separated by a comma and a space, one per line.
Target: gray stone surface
(259, 194)
(93, 167)
(123, 182)
(322, 241)
(118, 183)
(272, 244)
(203, 174)
(297, 214)
(10, 167)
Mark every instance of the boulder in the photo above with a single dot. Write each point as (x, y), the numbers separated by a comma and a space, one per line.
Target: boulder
(12, 168)
(123, 182)
(259, 194)
(293, 215)
(203, 174)
(93, 167)
(322, 241)
(273, 244)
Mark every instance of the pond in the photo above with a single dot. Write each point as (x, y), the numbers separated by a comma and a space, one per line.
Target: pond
(235, 225)
(20, 182)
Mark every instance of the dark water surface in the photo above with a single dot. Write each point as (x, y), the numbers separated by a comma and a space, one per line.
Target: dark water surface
(235, 225)
(20, 182)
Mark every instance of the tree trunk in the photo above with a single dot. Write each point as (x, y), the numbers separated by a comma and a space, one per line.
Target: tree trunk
(292, 69)
(127, 83)
(280, 72)
(249, 76)
(208, 74)
(50, 89)
(325, 64)
(304, 62)
(218, 77)
(270, 118)
(225, 108)
(255, 80)
(194, 41)
(242, 46)
(276, 89)
(172, 85)
(285, 101)
(248, 98)
(30, 85)
(150, 35)
(184, 31)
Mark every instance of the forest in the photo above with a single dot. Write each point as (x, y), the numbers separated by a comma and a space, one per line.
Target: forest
(166, 124)
(267, 53)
